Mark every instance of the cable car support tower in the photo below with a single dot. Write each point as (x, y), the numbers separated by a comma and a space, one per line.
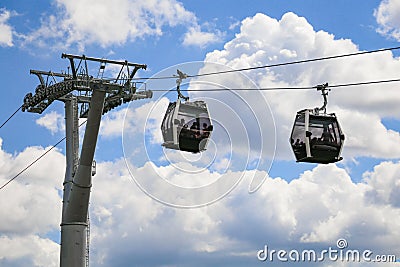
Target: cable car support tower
(84, 96)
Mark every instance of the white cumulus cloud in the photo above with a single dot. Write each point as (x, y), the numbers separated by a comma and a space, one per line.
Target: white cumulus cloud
(80, 23)
(388, 18)
(28, 250)
(52, 121)
(196, 37)
(312, 211)
(30, 207)
(6, 31)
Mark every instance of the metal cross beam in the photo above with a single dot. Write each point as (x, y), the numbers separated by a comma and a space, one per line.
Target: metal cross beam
(103, 62)
(56, 86)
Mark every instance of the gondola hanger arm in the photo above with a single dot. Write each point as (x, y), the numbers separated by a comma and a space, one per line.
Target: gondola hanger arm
(324, 91)
(181, 76)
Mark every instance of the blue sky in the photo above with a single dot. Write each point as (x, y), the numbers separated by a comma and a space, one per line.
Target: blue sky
(139, 187)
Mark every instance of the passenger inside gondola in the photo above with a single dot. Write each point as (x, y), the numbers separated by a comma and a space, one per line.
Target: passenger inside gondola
(326, 136)
(194, 126)
(297, 144)
(206, 130)
(195, 131)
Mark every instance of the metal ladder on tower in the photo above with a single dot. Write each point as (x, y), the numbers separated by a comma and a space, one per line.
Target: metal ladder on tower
(87, 241)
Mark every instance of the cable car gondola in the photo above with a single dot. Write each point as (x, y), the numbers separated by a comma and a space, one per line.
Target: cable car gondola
(316, 137)
(186, 125)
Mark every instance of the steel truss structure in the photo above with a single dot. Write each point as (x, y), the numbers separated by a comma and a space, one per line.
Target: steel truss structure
(84, 96)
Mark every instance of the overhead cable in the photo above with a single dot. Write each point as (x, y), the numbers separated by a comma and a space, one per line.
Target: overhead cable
(278, 88)
(276, 65)
(36, 160)
(9, 118)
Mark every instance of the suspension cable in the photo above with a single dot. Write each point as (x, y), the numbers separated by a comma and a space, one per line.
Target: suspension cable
(36, 160)
(279, 88)
(9, 118)
(278, 64)
(31, 164)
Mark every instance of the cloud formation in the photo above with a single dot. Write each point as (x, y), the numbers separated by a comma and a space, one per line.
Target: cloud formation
(30, 207)
(196, 37)
(312, 211)
(6, 34)
(52, 121)
(81, 23)
(388, 18)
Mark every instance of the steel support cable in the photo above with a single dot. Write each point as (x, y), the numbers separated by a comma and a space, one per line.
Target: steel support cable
(9, 118)
(363, 83)
(298, 62)
(279, 88)
(277, 65)
(36, 160)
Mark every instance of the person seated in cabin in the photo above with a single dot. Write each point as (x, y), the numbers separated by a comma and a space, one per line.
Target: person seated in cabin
(195, 130)
(297, 143)
(183, 129)
(205, 130)
(194, 126)
(326, 136)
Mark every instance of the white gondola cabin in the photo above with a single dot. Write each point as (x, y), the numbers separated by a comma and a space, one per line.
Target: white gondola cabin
(186, 126)
(316, 137)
